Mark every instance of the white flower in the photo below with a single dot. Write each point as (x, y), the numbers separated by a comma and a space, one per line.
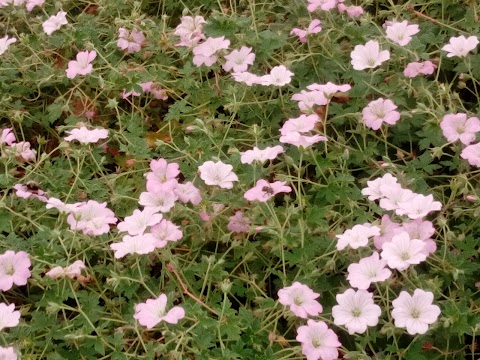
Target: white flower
(401, 251)
(460, 46)
(279, 76)
(55, 22)
(368, 55)
(415, 312)
(217, 173)
(356, 311)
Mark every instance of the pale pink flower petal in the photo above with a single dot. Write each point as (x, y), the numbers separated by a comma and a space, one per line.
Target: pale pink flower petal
(378, 112)
(8, 353)
(263, 190)
(138, 244)
(71, 271)
(239, 60)
(368, 270)
(8, 316)
(368, 56)
(239, 223)
(318, 341)
(357, 236)
(86, 136)
(55, 22)
(401, 251)
(460, 46)
(217, 173)
(458, 127)
(153, 311)
(269, 153)
(137, 223)
(14, 269)
(300, 299)
(401, 32)
(279, 76)
(82, 65)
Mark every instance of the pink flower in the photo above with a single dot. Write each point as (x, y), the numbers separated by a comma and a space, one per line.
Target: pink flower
(379, 111)
(5, 42)
(357, 236)
(8, 316)
(137, 223)
(298, 139)
(32, 3)
(165, 231)
(418, 206)
(147, 87)
(279, 76)
(472, 154)
(329, 89)
(188, 192)
(14, 269)
(205, 53)
(458, 127)
(308, 99)
(400, 32)
(159, 201)
(71, 271)
(368, 56)
(263, 190)
(21, 151)
(238, 60)
(82, 66)
(394, 195)
(55, 22)
(367, 271)
(8, 353)
(302, 124)
(239, 223)
(24, 192)
(352, 11)
(86, 136)
(356, 311)
(318, 341)
(301, 300)
(130, 41)
(322, 4)
(269, 153)
(313, 28)
(7, 137)
(374, 187)
(163, 176)
(138, 244)
(60, 205)
(415, 312)
(190, 30)
(414, 69)
(92, 218)
(388, 229)
(460, 46)
(153, 311)
(247, 78)
(421, 230)
(401, 252)
(217, 173)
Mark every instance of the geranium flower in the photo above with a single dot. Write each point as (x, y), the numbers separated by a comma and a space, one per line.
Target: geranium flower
(421, 230)
(368, 56)
(8, 316)
(33, 3)
(313, 28)
(165, 231)
(8, 353)
(329, 89)
(302, 124)
(5, 42)
(356, 311)
(400, 32)
(308, 99)
(24, 192)
(357, 236)
(153, 311)
(458, 127)
(92, 218)
(190, 30)
(163, 176)
(138, 244)
(7, 137)
(14, 269)
(21, 151)
(300, 299)
(322, 4)
(401, 251)
(418, 206)
(188, 192)
(318, 341)
(55, 22)
(71, 271)
(374, 187)
(279, 76)
(269, 153)
(368, 270)
(414, 69)
(81, 66)
(415, 312)
(239, 223)
(388, 229)
(379, 111)
(394, 195)
(247, 78)
(460, 46)
(205, 53)
(263, 190)
(352, 11)
(471, 153)
(159, 201)
(86, 136)
(130, 41)
(217, 173)
(137, 223)
(239, 60)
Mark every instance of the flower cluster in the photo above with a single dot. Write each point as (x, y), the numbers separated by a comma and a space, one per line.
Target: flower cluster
(9, 147)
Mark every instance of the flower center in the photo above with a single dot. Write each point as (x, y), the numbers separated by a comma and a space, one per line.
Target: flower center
(298, 300)
(415, 313)
(356, 312)
(405, 256)
(9, 269)
(460, 129)
(316, 342)
(371, 62)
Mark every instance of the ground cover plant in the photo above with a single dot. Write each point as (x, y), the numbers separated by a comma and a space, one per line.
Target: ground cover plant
(239, 179)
